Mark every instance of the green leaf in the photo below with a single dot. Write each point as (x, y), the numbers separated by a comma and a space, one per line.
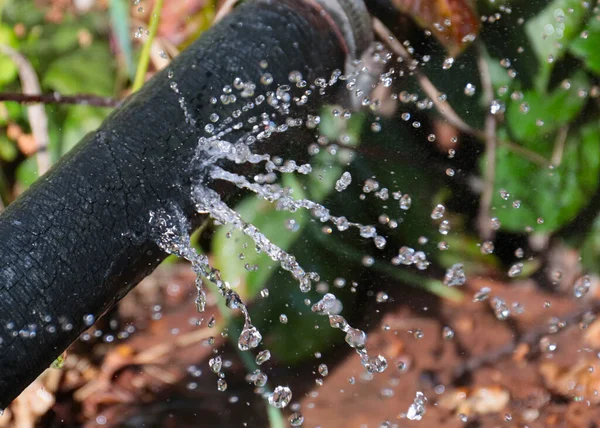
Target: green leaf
(551, 31)
(272, 224)
(553, 195)
(87, 70)
(24, 11)
(27, 173)
(8, 149)
(80, 120)
(586, 46)
(538, 115)
(590, 250)
(119, 18)
(8, 69)
(465, 249)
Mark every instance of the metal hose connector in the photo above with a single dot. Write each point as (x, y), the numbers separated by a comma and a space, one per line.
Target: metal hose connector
(353, 21)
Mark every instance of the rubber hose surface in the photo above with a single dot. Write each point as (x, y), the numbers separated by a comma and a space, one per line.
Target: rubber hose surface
(78, 240)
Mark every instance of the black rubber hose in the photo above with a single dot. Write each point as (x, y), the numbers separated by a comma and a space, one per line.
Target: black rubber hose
(79, 239)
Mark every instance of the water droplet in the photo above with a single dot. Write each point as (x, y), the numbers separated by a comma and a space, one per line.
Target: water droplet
(338, 321)
(280, 397)
(515, 270)
(497, 107)
(323, 370)
(266, 79)
(260, 379)
(482, 294)
(382, 297)
(416, 411)
(250, 337)
(89, 319)
(447, 333)
(215, 364)
(356, 338)
(405, 202)
(296, 419)
(444, 227)
(368, 231)
(221, 385)
(487, 247)
(380, 242)
(295, 77)
(455, 275)
(582, 286)
(328, 305)
(376, 364)
(438, 212)
(495, 223)
(263, 357)
(470, 90)
(343, 182)
(283, 319)
(139, 32)
(448, 62)
(500, 308)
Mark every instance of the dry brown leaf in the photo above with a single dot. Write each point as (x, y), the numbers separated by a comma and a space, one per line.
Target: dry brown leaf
(453, 22)
(581, 379)
(479, 401)
(591, 337)
(33, 402)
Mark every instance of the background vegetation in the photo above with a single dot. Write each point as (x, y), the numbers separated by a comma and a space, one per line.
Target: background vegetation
(492, 111)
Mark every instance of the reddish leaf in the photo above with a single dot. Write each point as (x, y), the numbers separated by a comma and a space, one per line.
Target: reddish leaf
(454, 23)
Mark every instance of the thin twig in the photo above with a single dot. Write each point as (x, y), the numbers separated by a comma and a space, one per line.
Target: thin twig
(156, 352)
(530, 155)
(485, 204)
(224, 10)
(530, 338)
(140, 74)
(55, 98)
(559, 146)
(38, 121)
(442, 106)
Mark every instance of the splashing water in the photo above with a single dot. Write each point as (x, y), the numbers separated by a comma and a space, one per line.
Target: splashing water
(215, 148)
(417, 410)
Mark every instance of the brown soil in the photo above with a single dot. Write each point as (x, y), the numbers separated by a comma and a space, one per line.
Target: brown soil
(491, 373)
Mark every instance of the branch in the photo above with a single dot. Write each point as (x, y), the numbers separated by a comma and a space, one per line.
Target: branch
(491, 143)
(55, 98)
(140, 74)
(443, 107)
(530, 338)
(224, 10)
(38, 121)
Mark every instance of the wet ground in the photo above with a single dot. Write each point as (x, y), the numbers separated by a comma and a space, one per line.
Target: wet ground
(537, 368)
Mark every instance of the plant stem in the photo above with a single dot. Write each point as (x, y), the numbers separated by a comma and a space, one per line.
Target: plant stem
(442, 106)
(491, 143)
(142, 67)
(55, 98)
